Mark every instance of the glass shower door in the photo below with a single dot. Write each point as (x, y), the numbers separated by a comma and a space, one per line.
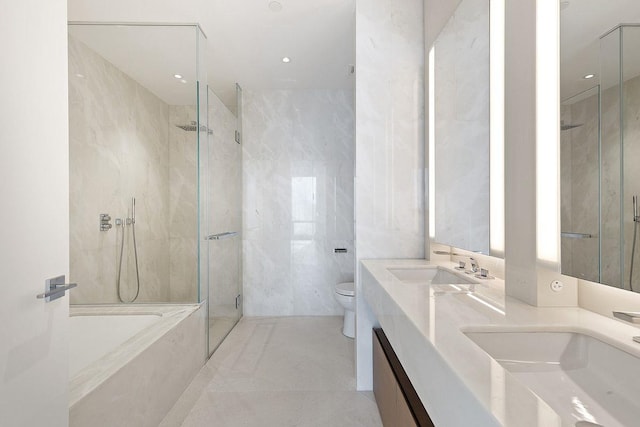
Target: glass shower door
(225, 222)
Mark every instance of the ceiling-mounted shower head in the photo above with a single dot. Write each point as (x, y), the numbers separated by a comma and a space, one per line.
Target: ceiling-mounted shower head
(567, 127)
(193, 127)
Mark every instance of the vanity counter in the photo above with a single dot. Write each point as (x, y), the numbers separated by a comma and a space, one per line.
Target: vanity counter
(458, 383)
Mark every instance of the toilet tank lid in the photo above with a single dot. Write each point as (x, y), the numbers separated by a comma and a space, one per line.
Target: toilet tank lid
(345, 288)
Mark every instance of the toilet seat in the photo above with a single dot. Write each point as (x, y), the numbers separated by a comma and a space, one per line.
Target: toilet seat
(345, 288)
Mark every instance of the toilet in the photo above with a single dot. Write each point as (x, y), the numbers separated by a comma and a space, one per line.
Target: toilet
(345, 295)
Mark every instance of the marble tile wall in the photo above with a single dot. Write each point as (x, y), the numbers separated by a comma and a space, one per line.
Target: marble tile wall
(183, 206)
(121, 146)
(462, 128)
(390, 153)
(298, 161)
(119, 149)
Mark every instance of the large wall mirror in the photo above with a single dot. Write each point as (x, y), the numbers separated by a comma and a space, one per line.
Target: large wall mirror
(600, 141)
(460, 143)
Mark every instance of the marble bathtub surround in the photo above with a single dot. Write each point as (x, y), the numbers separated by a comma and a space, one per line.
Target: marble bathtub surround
(298, 169)
(448, 370)
(91, 377)
(160, 364)
(124, 143)
(462, 128)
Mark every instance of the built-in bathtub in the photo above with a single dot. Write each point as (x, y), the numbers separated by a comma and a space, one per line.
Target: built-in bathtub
(129, 364)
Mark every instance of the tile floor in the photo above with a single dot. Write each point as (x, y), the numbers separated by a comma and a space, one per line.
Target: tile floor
(284, 371)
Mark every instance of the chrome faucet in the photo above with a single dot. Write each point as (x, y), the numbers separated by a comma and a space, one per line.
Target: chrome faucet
(628, 316)
(475, 267)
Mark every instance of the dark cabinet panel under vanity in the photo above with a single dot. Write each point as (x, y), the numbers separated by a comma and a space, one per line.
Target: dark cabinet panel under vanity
(397, 400)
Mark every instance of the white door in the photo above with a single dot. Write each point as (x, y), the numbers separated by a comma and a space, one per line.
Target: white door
(34, 218)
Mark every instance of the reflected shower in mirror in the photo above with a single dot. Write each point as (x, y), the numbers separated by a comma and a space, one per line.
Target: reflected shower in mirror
(599, 138)
(461, 146)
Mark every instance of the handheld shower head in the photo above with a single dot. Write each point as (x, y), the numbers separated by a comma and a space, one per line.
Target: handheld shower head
(133, 210)
(635, 208)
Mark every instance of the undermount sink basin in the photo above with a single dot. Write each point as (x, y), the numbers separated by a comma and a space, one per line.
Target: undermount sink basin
(585, 380)
(429, 275)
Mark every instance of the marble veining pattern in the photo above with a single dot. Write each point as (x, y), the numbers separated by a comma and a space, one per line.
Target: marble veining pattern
(390, 151)
(183, 205)
(298, 161)
(124, 143)
(462, 128)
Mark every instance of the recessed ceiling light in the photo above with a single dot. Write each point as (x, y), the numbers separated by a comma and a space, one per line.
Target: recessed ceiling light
(286, 59)
(80, 75)
(177, 76)
(183, 81)
(275, 6)
(589, 76)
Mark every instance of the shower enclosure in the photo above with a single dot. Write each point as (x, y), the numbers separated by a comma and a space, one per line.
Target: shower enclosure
(225, 218)
(600, 150)
(142, 144)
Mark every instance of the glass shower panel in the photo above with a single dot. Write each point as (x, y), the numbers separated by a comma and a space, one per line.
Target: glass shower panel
(225, 222)
(611, 167)
(204, 171)
(133, 121)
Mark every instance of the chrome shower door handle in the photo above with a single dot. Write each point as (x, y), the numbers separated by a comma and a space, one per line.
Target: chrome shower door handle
(55, 288)
(221, 236)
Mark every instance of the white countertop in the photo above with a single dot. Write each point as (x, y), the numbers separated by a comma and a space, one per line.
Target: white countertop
(458, 382)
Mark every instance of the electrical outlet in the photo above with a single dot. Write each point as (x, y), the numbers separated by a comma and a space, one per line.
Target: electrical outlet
(556, 286)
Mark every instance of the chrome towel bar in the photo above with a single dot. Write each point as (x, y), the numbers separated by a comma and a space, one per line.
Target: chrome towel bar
(572, 235)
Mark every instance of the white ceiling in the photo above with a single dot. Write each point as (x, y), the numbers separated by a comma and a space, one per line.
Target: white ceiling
(246, 41)
(581, 25)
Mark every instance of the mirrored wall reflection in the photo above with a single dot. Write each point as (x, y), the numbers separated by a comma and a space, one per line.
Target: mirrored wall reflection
(133, 124)
(600, 131)
(461, 54)
(580, 185)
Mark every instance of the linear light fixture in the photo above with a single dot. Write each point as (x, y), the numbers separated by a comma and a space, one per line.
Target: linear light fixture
(432, 142)
(496, 126)
(547, 133)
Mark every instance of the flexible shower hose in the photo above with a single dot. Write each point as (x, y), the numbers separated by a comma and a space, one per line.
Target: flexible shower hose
(135, 253)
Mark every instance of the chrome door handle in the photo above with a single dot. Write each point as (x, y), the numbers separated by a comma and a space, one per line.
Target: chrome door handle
(55, 288)
(220, 236)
